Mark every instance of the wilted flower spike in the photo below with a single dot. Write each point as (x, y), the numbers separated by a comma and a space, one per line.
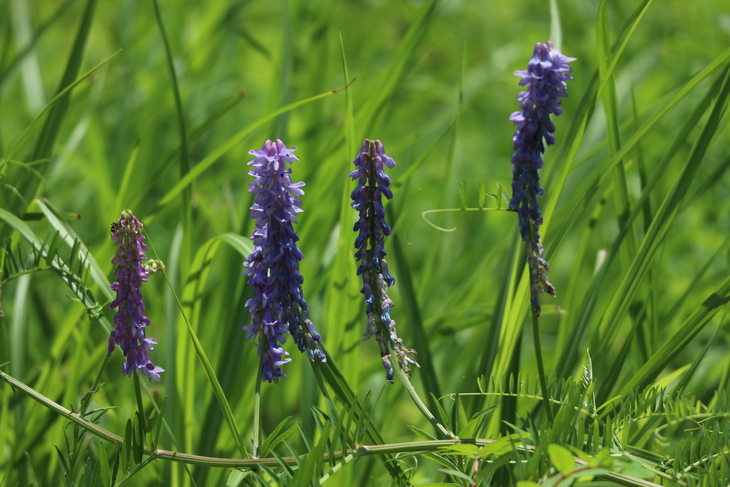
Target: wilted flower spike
(129, 321)
(277, 306)
(372, 184)
(545, 79)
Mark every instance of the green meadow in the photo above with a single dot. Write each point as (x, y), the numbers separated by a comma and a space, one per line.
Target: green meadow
(154, 105)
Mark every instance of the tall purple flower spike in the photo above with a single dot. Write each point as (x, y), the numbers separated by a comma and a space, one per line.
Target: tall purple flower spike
(545, 79)
(277, 306)
(129, 321)
(372, 184)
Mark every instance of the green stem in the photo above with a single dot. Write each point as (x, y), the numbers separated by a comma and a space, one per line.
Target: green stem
(140, 405)
(85, 401)
(134, 472)
(406, 381)
(541, 367)
(257, 408)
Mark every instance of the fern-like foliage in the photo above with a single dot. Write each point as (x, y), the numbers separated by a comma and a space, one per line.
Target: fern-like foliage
(669, 432)
(51, 254)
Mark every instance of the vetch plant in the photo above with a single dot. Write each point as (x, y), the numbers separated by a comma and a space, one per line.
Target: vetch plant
(129, 321)
(372, 184)
(278, 306)
(643, 337)
(545, 79)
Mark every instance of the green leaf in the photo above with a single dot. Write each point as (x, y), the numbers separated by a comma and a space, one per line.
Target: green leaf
(456, 473)
(236, 477)
(469, 450)
(561, 458)
(277, 436)
(463, 194)
(88, 473)
(503, 196)
(482, 190)
(104, 469)
(500, 446)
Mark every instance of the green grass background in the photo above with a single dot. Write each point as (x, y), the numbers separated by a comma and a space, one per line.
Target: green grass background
(433, 80)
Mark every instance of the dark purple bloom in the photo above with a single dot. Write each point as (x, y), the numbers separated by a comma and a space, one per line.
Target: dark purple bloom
(277, 306)
(372, 184)
(545, 79)
(129, 321)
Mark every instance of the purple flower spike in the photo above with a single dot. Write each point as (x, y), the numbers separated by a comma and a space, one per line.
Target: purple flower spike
(278, 306)
(545, 79)
(372, 184)
(130, 321)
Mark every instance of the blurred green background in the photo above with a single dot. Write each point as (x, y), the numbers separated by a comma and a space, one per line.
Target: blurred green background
(434, 82)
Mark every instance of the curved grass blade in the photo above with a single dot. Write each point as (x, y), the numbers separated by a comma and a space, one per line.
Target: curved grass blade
(672, 347)
(186, 194)
(49, 107)
(8, 69)
(342, 311)
(199, 268)
(209, 160)
(58, 222)
(663, 220)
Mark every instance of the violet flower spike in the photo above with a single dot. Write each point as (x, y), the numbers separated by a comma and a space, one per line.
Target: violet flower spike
(277, 306)
(372, 184)
(129, 321)
(545, 79)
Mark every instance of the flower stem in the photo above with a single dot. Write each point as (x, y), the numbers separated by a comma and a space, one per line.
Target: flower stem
(257, 409)
(541, 366)
(406, 381)
(140, 405)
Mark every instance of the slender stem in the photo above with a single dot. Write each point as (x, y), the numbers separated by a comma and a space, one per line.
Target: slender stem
(406, 381)
(531, 247)
(85, 401)
(453, 210)
(138, 395)
(257, 408)
(134, 472)
(541, 367)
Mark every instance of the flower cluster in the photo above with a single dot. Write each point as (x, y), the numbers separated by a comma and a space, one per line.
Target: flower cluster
(129, 321)
(372, 184)
(277, 306)
(545, 79)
